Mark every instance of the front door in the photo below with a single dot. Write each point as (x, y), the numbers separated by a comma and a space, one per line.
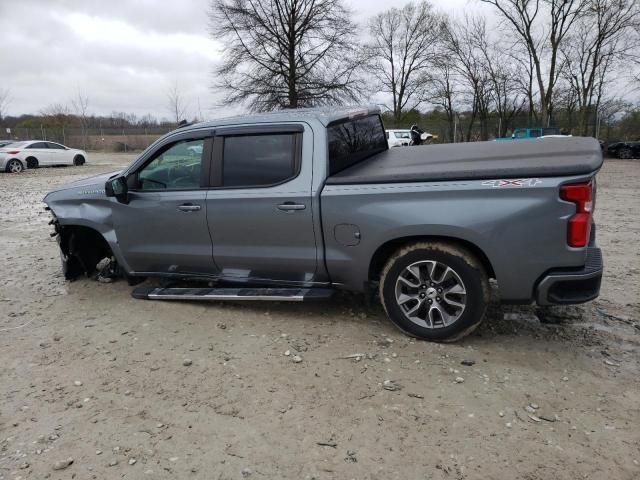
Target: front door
(58, 155)
(260, 218)
(163, 228)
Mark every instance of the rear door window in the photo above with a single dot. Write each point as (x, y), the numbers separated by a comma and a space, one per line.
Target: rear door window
(258, 160)
(38, 145)
(354, 140)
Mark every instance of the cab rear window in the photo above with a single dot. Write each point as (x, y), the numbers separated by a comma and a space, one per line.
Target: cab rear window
(352, 141)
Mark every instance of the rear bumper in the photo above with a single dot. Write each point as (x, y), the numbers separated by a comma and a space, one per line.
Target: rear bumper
(568, 286)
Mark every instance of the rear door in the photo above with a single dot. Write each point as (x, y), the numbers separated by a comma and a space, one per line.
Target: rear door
(40, 152)
(260, 213)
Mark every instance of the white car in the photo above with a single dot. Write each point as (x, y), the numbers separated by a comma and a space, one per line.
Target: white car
(18, 156)
(402, 138)
(398, 138)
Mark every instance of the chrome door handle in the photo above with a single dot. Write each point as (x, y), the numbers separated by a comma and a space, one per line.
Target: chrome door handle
(289, 206)
(188, 207)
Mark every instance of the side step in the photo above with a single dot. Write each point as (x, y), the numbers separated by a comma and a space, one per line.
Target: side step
(223, 294)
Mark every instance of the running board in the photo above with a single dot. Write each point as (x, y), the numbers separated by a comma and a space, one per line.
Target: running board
(225, 294)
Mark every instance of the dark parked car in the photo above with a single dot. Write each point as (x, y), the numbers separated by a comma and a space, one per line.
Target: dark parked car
(624, 149)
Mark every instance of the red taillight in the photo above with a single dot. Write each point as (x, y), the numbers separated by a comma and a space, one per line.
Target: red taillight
(13, 152)
(579, 226)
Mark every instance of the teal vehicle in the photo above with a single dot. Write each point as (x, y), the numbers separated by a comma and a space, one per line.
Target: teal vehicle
(526, 133)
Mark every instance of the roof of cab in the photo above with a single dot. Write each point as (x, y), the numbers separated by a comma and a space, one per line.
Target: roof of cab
(325, 115)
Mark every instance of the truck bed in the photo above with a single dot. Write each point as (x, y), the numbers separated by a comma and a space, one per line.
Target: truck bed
(545, 157)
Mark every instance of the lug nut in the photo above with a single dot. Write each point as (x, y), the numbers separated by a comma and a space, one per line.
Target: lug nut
(422, 295)
(430, 301)
(437, 299)
(439, 290)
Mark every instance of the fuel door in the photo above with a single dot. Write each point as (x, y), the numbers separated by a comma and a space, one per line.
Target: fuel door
(347, 234)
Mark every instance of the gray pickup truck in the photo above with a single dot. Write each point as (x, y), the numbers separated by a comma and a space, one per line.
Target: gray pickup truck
(294, 205)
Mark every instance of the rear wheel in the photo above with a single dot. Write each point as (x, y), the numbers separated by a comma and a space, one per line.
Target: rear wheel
(14, 166)
(78, 160)
(434, 291)
(625, 153)
(32, 162)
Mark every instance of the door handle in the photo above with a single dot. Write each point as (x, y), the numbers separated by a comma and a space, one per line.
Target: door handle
(189, 207)
(290, 206)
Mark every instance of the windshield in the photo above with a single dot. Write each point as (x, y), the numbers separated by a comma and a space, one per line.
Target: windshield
(352, 141)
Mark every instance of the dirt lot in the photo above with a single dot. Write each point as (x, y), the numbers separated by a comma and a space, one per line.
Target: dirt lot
(89, 373)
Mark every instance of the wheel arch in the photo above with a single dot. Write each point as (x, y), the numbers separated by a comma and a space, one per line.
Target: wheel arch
(387, 249)
(84, 243)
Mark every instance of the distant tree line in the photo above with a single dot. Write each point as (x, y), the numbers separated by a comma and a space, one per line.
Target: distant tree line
(566, 63)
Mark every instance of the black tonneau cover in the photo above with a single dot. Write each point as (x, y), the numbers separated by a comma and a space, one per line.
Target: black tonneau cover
(541, 157)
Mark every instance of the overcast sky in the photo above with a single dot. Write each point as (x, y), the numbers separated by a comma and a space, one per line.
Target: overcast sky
(123, 54)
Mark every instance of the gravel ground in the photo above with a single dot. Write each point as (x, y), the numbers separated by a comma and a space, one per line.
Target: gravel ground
(135, 389)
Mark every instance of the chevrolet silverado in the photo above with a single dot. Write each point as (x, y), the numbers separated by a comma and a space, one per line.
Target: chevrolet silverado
(297, 204)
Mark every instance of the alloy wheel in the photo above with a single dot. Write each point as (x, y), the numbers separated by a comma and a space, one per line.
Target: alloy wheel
(430, 294)
(15, 166)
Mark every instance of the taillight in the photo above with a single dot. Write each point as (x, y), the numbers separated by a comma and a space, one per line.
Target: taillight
(579, 226)
(13, 152)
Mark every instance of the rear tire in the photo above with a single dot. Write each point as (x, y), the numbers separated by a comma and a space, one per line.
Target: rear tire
(625, 153)
(78, 160)
(14, 166)
(32, 162)
(435, 291)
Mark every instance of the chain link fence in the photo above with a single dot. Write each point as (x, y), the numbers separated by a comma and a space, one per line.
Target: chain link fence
(127, 139)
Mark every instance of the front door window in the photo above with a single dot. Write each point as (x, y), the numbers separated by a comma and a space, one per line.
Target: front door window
(177, 167)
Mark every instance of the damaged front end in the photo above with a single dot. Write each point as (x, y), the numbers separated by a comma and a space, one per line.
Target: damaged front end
(84, 251)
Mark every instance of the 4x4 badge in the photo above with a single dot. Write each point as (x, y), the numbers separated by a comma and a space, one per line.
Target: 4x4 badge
(512, 182)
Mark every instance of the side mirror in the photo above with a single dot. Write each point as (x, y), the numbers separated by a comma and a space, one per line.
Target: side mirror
(117, 187)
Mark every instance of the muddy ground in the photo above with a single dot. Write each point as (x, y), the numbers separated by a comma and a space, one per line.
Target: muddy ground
(88, 373)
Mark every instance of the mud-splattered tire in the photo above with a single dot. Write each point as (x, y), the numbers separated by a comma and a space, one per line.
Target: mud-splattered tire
(435, 291)
(78, 160)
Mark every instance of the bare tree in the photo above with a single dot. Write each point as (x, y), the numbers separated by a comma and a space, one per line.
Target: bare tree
(602, 37)
(541, 26)
(81, 106)
(505, 90)
(443, 91)
(56, 112)
(400, 52)
(176, 103)
(526, 81)
(567, 101)
(466, 42)
(57, 116)
(5, 99)
(285, 53)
